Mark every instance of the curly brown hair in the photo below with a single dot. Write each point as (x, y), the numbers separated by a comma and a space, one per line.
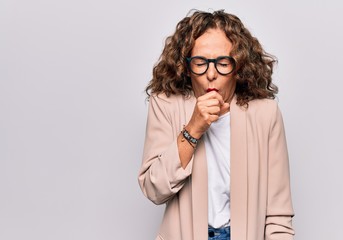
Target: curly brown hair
(254, 67)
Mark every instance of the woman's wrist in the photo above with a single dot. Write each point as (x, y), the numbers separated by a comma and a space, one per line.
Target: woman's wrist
(186, 136)
(193, 132)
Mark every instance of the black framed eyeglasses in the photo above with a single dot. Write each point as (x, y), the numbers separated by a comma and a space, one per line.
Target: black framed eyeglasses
(199, 65)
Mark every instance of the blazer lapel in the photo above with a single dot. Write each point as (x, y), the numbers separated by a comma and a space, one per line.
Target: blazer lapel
(239, 177)
(239, 172)
(199, 184)
(199, 193)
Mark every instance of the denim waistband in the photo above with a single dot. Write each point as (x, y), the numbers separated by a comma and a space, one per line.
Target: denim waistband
(218, 231)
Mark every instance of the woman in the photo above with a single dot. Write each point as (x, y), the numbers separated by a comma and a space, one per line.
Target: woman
(215, 149)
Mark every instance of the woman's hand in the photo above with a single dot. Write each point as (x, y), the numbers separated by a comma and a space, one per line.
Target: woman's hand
(207, 110)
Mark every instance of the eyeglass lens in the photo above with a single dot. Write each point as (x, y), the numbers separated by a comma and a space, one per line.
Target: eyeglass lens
(199, 65)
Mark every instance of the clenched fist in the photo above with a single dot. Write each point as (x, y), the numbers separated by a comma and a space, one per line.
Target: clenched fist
(207, 110)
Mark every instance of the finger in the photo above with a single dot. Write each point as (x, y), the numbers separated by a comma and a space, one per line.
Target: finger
(225, 107)
(216, 95)
(213, 110)
(211, 103)
(212, 95)
(213, 118)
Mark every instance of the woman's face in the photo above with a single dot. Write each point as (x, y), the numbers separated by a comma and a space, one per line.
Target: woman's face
(212, 44)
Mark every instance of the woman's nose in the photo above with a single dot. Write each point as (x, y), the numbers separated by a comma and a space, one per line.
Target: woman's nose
(211, 72)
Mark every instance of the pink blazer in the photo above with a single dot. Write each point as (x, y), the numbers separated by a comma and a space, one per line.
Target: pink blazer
(261, 206)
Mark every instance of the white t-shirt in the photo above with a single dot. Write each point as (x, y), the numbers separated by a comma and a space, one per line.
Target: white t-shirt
(217, 144)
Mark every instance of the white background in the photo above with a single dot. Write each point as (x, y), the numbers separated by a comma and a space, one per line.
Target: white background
(73, 111)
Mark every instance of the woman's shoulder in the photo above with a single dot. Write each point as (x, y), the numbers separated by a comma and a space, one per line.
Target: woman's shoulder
(173, 107)
(168, 99)
(266, 105)
(263, 110)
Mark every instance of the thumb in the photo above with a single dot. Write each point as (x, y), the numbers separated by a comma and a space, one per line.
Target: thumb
(224, 108)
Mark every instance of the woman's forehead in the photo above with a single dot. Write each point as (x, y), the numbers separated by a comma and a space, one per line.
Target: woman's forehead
(212, 42)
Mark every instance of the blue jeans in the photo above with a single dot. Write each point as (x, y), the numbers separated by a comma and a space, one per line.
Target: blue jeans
(219, 233)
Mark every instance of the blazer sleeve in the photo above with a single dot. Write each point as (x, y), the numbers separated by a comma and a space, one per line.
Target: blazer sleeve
(161, 175)
(279, 204)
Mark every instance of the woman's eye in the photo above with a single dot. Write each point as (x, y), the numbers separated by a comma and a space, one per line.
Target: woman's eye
(200, 64)
(223, 65)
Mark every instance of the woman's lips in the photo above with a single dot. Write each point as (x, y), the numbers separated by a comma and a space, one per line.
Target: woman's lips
(212, 89)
